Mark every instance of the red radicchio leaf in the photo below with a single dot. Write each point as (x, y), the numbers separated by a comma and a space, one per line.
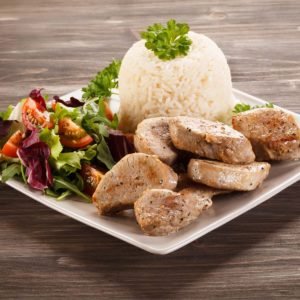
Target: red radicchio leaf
(73, 102)
(34, 155)
(37, 97)
(32, 137)
(4, 127)
(119, 143)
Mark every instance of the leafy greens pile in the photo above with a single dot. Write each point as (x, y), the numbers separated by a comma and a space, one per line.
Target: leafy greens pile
(42, 160)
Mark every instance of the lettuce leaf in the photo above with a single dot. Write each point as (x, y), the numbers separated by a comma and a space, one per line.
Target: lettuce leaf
(36, 95)
(70, 162)
(63, 188)
(5, 127)
(34, 155)
(7, 159)
(52, 140)
(119, 144)
(4, 115)
(62, 111)
(11, 171)
(104, 154)
(73, 102)
(16, 113)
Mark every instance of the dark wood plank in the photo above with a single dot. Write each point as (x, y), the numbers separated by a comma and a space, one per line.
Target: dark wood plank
(59, 45)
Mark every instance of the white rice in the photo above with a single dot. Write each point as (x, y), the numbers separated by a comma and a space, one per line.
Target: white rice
(198, 84)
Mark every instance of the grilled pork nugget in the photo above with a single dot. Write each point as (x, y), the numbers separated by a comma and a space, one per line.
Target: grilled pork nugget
(153, 137)
(226, 176)
(273, 133)
(161, 212)
(212, 140)
(128, 179)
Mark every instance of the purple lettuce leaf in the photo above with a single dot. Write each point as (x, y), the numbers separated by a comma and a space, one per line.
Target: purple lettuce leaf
(73, 102)
(34, 155)
(119, 144)
(32, 137)
(4, 128)
(36, 95)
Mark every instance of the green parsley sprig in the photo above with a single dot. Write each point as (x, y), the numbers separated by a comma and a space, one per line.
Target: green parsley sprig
(241, 107)
(103, 83)
(168, 42)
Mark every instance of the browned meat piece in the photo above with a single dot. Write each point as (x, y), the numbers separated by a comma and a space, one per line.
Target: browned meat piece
(153, 137)
(128, 179)
(209, 139)
(226, 176)
(273, 133)
(161, 212)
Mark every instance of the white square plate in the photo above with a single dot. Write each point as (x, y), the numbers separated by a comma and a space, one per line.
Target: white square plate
(224, 209)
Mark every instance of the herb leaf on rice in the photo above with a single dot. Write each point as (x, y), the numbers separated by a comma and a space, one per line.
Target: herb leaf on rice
(168, 42)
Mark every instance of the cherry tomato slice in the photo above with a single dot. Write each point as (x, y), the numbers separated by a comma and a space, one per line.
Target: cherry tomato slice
(53, 105)
(76, 143)
(33, 115)
(11, 146)
(91, 178)
(72, 135)
(108, 113)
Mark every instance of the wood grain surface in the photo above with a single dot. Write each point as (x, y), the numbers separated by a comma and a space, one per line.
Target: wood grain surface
(60, 45)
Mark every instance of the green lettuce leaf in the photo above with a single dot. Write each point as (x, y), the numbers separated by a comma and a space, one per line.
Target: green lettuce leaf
(52, 140)
(4, 115)
(16, 113)
(63, 187)
(9, 160)
(62, 111)
(70, 162)
(11, 171)
(104, 155)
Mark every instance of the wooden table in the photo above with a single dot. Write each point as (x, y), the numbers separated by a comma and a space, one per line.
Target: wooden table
(60, 45)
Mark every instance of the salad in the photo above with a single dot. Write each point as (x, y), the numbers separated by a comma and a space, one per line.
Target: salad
(63, 147)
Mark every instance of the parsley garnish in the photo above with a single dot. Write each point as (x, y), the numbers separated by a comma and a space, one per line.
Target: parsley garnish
(241, 107)
(168, 42)
(103, 83)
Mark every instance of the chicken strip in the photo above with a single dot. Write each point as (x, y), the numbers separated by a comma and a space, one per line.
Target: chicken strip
(160, 212)
(226, 176)
(273, 133)
(153, 137)
(212, 140)
(128, 179)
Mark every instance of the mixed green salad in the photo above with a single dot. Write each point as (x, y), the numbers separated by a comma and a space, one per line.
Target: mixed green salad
(63, 147)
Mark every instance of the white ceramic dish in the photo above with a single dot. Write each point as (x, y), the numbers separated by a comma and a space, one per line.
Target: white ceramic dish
(224, 209)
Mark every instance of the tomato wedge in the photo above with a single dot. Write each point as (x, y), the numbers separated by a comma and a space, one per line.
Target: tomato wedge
(12, 145)
(53, 105)
(33, 115)
(91, 178)
(108, 113)
(72, 135)
(76, 143)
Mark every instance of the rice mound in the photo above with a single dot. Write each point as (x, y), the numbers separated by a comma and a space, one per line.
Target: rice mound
(198, 84)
